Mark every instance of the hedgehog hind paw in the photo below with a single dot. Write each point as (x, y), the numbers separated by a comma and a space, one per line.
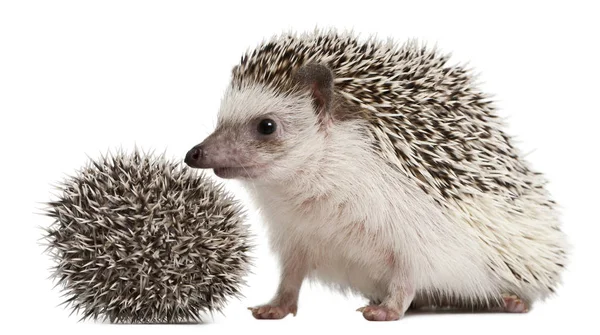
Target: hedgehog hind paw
(514, 304)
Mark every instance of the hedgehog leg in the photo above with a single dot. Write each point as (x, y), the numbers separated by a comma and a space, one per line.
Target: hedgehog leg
(286, 299)
(514, 304)
(392, 307)
(273, 312)
(379, 313)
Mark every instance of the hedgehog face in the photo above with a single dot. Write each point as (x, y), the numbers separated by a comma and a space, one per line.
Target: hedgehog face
(260, 135)
(263, 134)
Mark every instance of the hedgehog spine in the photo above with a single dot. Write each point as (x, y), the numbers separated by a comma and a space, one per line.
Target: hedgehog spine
(140, 239)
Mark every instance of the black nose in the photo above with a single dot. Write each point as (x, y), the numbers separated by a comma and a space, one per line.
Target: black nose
(193, 157)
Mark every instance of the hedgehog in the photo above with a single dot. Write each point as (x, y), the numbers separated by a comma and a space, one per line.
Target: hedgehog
(137, 238)
(383, 170)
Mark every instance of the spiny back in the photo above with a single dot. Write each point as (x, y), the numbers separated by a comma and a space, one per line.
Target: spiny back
(426, 117)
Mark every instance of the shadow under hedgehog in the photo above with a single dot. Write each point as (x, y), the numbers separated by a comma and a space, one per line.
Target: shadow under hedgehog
(384, 171)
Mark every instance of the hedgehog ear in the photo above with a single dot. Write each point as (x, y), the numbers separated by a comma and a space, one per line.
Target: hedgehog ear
(318, 78)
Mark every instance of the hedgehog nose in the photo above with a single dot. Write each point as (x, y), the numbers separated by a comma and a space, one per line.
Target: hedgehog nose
(194, 156)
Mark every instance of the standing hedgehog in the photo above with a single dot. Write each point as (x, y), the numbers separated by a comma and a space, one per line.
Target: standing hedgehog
(383, 170)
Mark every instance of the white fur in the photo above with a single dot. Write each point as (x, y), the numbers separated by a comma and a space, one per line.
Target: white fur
(345, 185)
(332, 197)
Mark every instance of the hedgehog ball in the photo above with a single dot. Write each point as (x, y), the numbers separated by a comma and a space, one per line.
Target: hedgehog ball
(137, 238)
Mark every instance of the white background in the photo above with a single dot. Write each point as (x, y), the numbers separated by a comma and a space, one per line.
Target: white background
(79, 77)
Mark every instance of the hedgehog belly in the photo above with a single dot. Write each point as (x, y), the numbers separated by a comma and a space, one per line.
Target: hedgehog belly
(350, 275)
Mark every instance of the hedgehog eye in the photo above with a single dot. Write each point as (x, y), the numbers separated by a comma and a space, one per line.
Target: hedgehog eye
(267, 127)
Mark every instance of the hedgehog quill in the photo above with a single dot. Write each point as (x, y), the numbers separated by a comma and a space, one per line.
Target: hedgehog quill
(383, 170)
(141, 239)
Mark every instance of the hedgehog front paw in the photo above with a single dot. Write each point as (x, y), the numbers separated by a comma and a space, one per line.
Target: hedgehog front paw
(273, 312)
(380, 313)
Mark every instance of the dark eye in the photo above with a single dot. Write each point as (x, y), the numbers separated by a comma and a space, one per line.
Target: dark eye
(267, 127)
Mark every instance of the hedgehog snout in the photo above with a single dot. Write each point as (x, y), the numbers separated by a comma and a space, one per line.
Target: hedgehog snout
(213, 152)
(195, 156)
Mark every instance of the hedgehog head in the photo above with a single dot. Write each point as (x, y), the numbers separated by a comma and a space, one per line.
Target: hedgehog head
(265, 132)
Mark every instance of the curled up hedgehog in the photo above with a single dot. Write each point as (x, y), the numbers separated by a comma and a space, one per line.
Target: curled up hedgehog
(382, 170)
